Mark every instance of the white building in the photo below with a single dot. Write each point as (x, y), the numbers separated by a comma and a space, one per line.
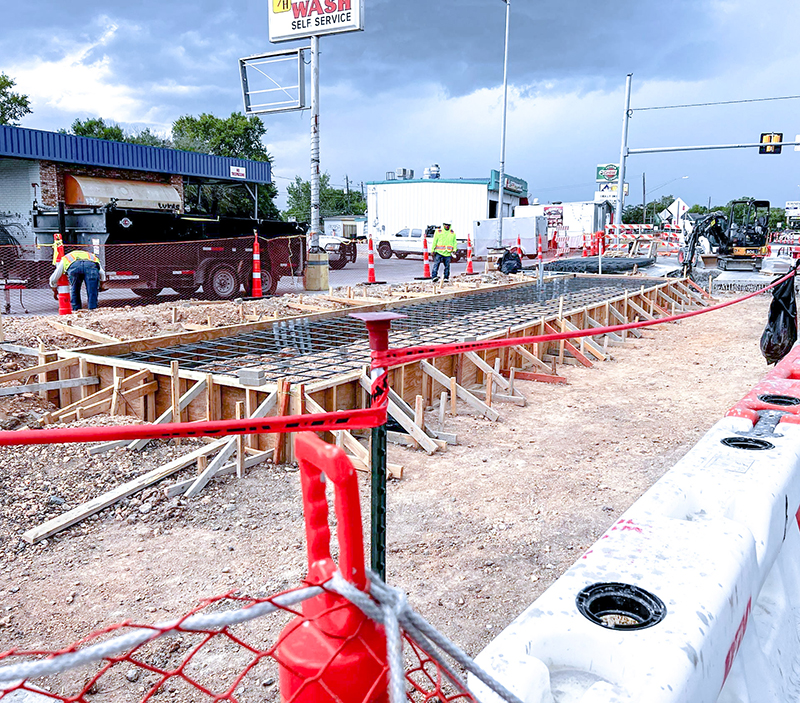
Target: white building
(395, 203)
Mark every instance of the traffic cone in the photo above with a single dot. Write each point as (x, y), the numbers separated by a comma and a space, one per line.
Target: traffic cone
(585, 245)
(539, 250)
(370, 263)
(469, 255)
(257, 290)
(64, 304)
(426, 266)
(519, 245)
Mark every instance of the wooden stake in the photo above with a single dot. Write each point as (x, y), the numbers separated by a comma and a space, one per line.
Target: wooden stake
(251, 440)
(211, 414)
(175, 391)
(511, 374)
(174, 316)
(283, 407)
(453, 398)
(419, 412)
(239, 442)
(42, 376)
(2, 333)
(489, 388)
(442, 408)
(83, 372)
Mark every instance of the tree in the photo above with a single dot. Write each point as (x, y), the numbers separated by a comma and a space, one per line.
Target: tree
(633, 214)
(236, 136)
(97, 128)
(332, 201)
(13, 106)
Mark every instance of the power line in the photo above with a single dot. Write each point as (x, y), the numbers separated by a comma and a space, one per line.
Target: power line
(724, 102)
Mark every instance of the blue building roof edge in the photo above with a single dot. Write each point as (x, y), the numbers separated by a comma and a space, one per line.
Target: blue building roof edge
(24, 143)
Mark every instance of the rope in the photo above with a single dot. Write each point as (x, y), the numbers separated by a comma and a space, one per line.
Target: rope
(193, 623)
(392, 610)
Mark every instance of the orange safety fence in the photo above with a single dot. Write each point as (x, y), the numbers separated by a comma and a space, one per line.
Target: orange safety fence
(152, 272)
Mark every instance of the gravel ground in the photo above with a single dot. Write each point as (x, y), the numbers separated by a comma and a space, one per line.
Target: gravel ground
(476, 533)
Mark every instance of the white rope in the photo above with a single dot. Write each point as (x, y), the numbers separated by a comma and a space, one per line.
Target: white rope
(388, 606)
(131, 640)
(392, 605)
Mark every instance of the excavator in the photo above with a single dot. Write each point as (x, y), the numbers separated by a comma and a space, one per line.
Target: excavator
(738, 240)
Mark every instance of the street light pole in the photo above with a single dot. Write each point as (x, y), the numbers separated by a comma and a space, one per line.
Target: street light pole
(501, 184)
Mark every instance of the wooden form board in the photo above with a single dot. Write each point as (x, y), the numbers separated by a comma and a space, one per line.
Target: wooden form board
(346, 391)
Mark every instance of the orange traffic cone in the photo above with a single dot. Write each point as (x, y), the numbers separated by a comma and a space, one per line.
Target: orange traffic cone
(64, 304)
(257, 290)
(539, 250)
(370, 263)
(469, 255)
(426, 266)
(585, 251)
(519, 245)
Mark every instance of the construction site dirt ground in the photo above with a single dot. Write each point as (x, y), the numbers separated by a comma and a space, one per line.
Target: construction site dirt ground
(475, 533)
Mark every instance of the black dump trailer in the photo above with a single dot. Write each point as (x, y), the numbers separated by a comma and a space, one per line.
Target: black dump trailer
(151, 251)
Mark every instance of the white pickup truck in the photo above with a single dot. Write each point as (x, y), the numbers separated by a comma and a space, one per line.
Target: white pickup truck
(409, 241)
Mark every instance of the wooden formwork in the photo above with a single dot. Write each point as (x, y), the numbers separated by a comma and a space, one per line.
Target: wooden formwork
(149, 391)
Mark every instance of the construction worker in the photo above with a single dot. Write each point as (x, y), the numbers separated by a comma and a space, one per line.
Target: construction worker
(444, 246)
(80, 267)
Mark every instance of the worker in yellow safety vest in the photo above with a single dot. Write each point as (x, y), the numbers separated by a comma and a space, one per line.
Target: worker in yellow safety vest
(80, 267)
(444, 247)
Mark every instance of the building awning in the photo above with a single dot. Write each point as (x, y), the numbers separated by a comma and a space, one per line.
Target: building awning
(83, 190)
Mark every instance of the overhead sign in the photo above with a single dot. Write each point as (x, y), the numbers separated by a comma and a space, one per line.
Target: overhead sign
(298, 19)
(607, 173)
(238, 172)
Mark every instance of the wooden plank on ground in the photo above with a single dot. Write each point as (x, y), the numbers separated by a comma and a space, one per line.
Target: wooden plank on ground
(462, 392)
(83, 333)
(24, 374)
(178, 489)
(540, 377)
(95, 505)
(19, 349)
(49, 385)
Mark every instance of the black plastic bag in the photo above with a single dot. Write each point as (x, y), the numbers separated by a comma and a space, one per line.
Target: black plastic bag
(780, 334)
(510, 262)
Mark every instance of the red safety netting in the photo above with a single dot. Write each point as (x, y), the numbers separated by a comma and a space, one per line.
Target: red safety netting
(231, 648)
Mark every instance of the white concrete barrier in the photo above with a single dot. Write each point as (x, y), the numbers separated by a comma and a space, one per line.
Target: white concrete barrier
(714, 547)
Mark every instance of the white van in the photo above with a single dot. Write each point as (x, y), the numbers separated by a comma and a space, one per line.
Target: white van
(409, 241)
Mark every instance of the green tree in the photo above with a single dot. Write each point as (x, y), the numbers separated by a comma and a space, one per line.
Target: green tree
(97, 128)
(633, 214)
(332, 201)
(236, 136)
(13, 106)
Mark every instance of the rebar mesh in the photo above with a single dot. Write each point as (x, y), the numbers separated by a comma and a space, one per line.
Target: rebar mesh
(304, 351)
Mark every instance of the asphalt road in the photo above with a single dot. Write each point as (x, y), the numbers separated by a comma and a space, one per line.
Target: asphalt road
(393, 270)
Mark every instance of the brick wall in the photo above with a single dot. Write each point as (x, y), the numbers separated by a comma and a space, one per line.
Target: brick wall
(52, 178)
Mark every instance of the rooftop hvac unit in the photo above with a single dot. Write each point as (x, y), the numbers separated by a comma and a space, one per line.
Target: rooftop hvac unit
(432, 172)
(404, 174)
(390, 176)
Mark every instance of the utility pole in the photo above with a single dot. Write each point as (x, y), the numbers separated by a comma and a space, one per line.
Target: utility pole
(501, 185)
(315, 226)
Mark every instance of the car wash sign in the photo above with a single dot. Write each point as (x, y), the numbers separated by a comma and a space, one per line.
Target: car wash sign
(607, 173)
(298, 19)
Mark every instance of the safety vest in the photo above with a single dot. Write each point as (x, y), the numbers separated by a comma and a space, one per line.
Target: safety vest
(444, 242)
(74, 256)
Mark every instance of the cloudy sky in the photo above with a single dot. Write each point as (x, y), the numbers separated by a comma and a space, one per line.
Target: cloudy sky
(423, 84)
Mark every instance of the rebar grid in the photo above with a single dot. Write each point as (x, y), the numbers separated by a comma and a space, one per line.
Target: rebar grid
(305, 351)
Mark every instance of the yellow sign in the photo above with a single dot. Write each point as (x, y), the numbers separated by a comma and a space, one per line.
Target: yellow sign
(281, 5)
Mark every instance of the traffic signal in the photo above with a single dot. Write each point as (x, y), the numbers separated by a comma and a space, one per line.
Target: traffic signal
(770, 138)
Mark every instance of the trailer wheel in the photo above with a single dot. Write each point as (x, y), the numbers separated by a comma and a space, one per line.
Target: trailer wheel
(353, 252)
(222, 283)
(338, 263)
(401, 254)
(146, 293)
(269, 281)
